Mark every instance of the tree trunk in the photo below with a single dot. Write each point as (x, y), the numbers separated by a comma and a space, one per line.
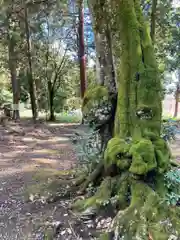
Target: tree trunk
(32, 86)
(177, 96)
(13, 72)
(153, 20)
(136, 157)
(140, 87)
(51, 101)
(103, 42)
(82, 49)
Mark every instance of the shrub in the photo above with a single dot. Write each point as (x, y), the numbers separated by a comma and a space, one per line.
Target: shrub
(169, 129)
(87, 147)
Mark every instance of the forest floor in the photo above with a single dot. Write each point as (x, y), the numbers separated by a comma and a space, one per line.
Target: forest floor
(32, 155)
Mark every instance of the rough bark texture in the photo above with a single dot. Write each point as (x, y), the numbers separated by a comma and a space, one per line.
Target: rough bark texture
(105, 69)
(177, 96)
(153, 19)
(51, 101)
(82, 49)
(136, 157)
(13, 72)
(32, 86)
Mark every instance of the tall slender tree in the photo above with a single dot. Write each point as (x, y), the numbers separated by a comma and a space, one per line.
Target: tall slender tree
(32, 86)
(82, 60)
(105, 68)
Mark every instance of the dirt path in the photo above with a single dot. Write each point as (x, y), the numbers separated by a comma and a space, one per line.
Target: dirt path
(25, 149)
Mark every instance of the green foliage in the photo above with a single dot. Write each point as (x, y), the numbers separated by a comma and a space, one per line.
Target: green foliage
(5, 96)
(59, 100)
(74, 103)
(96, 106)
(172, 182)
(67, 118)
(88, 148)
(169, 129)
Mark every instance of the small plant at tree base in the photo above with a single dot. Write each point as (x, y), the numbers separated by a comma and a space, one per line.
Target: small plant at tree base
(87, 147)
(169, 130)
(172, 180)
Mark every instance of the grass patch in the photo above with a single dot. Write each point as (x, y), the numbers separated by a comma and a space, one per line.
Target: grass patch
(67, 118)
(60, 117)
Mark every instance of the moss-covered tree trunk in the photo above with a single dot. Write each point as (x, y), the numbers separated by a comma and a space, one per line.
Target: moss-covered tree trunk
(139, 94)
(136, 157)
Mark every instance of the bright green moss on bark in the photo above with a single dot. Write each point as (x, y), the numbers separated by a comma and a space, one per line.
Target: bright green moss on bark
(93, 96)
(117, 153)
(147, 216)
(103, 194)
(143, 157)
(139, 157)
(140, 86)
(163, 155)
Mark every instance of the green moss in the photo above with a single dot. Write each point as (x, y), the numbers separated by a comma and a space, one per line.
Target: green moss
(101, 196)
(140, 157)
(143, 157)
(122, 190)
(93, 96)
(163, 154)
(140, 85)
(150, 135)
(105, 236)
(117, 153)
(147, 216)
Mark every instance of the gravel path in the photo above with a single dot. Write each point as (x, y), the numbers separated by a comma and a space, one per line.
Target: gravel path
(24, 150)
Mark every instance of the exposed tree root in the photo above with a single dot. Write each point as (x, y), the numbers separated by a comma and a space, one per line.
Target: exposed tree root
(93, 176)
(102, 195)
(175, 164)
(146, 218)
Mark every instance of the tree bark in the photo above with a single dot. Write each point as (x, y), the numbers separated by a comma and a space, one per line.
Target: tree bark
(177, 96)
(51, 101)
(82, 49)
(13, 72)
(137, 92)
(32, 86)
(153, 20)
(105, 69)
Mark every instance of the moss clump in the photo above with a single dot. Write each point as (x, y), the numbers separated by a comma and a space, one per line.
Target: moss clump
(143, 157)
(140, 156)
(117, 152)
